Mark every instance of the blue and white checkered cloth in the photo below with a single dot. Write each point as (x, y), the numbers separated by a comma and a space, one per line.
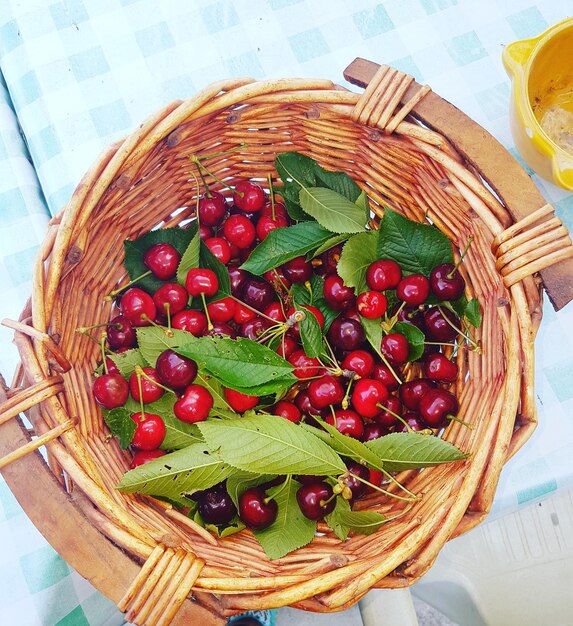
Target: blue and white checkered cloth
(77, 74)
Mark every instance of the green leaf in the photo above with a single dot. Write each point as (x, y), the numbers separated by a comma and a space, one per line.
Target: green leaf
(330, 243)
(374, 333)
(333, 519)
(179, 434)
(121, 425)
(215, 388)
(332, 210)
(297, 168)
(238, 362)
(268, 388)
(301, 295)
(361, 522)
(191, 257)
(290, 193)
(284, 244)
(291, 529)
(182, 472)
(358, 253)
(340, 182)
(272, 445)
(344, 445)
(154, 340)
(472, 313)
(126, 361)
(240, 481)
(416, 247)
(364, 204)
(311, 334)
(134, 250)
(404, 451)
(414, 336)
(209, 261)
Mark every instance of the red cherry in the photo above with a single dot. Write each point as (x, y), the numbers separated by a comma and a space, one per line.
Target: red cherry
(414, 422)
(194, 405)
(267, 224)
(171, 294)
(436, 406)
(248, 196)
(411, 392)
(239, 230)
(330, 259)
(373, 431)
(204, 231)
(120, 333)
(140, 457)
(382, 373)
(298, 270)
(111, 390)
(347, 422)
(315, 500)
(275, 311)
(257, 294)
(325, 391)
(222, 330)
(395, 348)
(222, 310)
(149, 432)
(256, 510)
(215, 505)
(446, 282)
(357, 472)
(194, 322)
(242, 313)
(277, 279)
(150, 391)
(305, 366)
(368, 394)
(175, 371)
(371, 304)
(138, 307)
(201, 281)
(346, 334)
(287, 346)
(441, 325)
(279, 209)
(337, 294)
(220, 249)
(387, 416)
(308, 307)
(237, 277)
(111, 366)
(414, 289)
(253, 329)
(439, 368)
(288, 410)
(240, 402)
(212, 209)
(375, 478)
(162, 259)
(383, 274)
(359, 361)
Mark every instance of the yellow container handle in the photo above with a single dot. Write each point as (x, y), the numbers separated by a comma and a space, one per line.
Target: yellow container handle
(515, 55)
(562, 166)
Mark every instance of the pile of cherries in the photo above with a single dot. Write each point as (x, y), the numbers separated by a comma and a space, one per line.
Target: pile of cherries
(355, 390)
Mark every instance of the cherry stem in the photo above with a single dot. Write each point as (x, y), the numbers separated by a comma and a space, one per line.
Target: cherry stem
(453, 418)
(168, 312)
(214, 155)
(168, 332)
(373, 486)
(102, 346)
(398, 417)
(117, 291)
(390, 321)
(345, 401)
(138, 373)
(462, 255)
(209, 323)
(141, 374)
(398, 483)
(467, 337)
(323, 503)
(272, 195)
(254, 310)
(84, 329)
(282, 488)
(201, 167)
(207, 193)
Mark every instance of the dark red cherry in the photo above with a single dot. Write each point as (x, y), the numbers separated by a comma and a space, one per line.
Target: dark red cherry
(240, 402)
(194, 405)
(111, 390)
(382, 373)
(150, 389)
(347, 422)
(279, 209)
(346, 334)
(367, 395)
(149, 432)
(162, 259)
(337, 294)
(111, 366)
(446, 282)
(357, 472)
(215, 506)
(275, 311)
(287, 346)
(359, 361)
(383, 274)
(387, 416)
(325, 391)
(288, 410)
(414, 289)
(371, 304)
(373, 431)
(411, 392)
(201, 280)
(441, 325)
(257, 293)
(175, 371)
(219, 248)
(414, 422)
(395, 348)
(254, 328)
(249, 196)
(212, 209)
(194, 322)
(238, 278)
(222, 310)
(138, 307)
(240, 231)
(140, 457)
(298, 270)
(172, 297)
(304, 405)
(277, 279)
(120, 333)
(437, 406)
(256, 510)
(330, 259)
(221, 329)
(439, 368)
(204, 231)
(315, 500)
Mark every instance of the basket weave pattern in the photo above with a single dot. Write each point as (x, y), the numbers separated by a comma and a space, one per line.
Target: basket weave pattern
(145, 182)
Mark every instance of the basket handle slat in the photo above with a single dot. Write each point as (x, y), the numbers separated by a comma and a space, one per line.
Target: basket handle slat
(494, 163)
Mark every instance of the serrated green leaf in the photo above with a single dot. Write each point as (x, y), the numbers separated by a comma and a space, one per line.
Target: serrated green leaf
(290, 193)
(358, 253)
(331, 210)
(178, 434)
(361, 522)
(330, 243)
(472, 313)
(301, 295)
(283, 244)
(153, 340)
(414, 336)
(404, 451)
(126, 361)
(209, 261)
(214, 387)
(271, 444)
(364, 204)
(240, 481)
(238, 362)
(340, 182)
(334, 522)
(191, 257)
(182, 472)
(265, 389)
(296, 167)
(344, 445)
(311, 334)
(374, 333)
(291, 530)
(121, 425)
(415, 246)
(134, 250)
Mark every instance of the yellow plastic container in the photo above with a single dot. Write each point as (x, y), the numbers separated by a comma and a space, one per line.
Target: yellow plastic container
(542, 101)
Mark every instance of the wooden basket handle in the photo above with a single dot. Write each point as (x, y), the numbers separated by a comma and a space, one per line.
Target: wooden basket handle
(501, 171)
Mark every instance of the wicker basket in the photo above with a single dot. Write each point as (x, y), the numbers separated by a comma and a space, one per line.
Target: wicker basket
(154, 562)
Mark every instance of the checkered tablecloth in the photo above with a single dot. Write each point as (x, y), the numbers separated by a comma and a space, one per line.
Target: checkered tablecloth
(78, 74)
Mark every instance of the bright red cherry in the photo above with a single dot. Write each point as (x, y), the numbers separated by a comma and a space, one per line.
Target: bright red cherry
(316, 500)
(446, 282)
(279, 209)
(337, 294)
(411, 392)
(382, 373)
(414, 289)
(240, 402)
(194, 405)
(325, 391)
(240, 231)
(367, 395)
(222, 310)
(249, 196)
(242, 313)
(150, 389)
(111, 366)
(175, 371)
(287, 346)
(172, 296)
(347, 422)
(383, 274)
(298, 270)
(437, 406)
(275, 311)
(288, 410)
(201, 281)
(395, 348)
(267, 224)
(140, 457)
(371, 304)
(120, 333)
(307, 307)
(359, 361)
(162, 259)
(194, 322)
(111, 390)
(220, 249)
(212, 209)
(439, 368)
(256, 510)
(305, 366)
(138, 307)
(149, 432)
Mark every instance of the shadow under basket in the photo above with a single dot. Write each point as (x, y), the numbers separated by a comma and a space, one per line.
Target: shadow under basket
(411, 151)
